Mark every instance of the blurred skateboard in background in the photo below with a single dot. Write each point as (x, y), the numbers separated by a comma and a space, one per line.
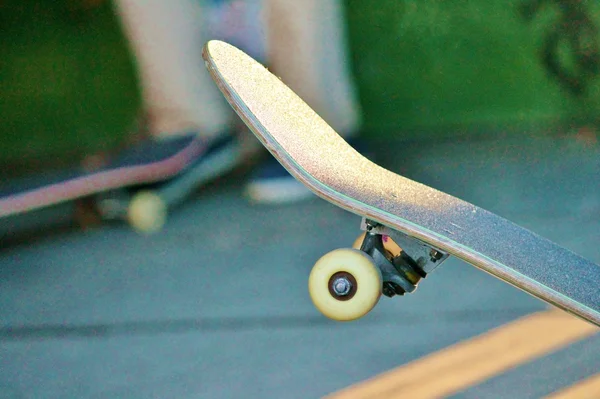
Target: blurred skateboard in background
(410, 229)
(139, 185)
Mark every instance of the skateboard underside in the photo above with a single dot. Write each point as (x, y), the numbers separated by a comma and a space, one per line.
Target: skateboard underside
(409, 211)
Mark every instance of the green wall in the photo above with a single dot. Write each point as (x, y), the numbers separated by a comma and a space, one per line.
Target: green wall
(435, 65)
(68, 84)
(427, 67)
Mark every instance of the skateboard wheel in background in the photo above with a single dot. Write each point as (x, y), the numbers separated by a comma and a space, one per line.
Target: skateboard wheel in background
(343, 266)
(147, 212)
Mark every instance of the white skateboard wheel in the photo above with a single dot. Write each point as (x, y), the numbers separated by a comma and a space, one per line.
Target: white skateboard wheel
(147, 212)
(390, 246)
(345, 284)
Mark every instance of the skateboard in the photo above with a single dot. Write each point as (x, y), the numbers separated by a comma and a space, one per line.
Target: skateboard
(410, 229)
(139, 185)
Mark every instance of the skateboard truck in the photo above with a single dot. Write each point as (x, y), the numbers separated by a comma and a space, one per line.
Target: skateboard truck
(401, 272)
(346, 283)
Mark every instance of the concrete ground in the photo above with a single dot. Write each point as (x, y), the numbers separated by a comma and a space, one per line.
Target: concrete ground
(217, 307)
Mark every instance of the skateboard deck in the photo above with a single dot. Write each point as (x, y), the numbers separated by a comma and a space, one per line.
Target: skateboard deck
(427, 224)
(159, 174)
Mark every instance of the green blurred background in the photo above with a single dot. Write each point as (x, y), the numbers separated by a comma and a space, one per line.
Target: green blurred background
(425, 69)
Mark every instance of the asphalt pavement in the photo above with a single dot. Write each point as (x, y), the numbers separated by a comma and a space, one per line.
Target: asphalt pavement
(216, 306)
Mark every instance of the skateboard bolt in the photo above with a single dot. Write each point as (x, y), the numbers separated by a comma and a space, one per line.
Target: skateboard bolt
(388, 290)
(435, 255)
(342, 286)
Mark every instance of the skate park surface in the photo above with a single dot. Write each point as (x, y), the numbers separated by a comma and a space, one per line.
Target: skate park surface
(216, 305)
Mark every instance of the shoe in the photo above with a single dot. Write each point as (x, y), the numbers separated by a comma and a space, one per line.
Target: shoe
(271, 184)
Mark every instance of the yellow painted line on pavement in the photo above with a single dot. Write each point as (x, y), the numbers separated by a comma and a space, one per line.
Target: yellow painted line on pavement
(470, 362)
(588, 388)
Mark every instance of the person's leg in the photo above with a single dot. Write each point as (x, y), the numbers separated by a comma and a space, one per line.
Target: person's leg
(306, 47)
(178, 94)
(183, 108)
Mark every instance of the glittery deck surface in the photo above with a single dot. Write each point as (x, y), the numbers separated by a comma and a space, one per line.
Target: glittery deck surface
(317, 156)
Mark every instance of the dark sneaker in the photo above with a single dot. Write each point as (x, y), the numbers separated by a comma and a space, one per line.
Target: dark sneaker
(206, 160)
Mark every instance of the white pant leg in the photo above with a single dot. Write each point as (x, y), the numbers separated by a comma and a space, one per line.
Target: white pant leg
(167, 38)
(307, 48)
